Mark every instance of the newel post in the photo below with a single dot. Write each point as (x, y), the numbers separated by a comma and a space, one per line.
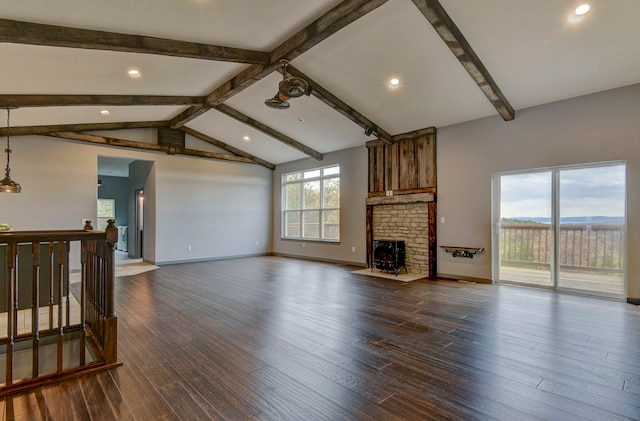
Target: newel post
(111, 322)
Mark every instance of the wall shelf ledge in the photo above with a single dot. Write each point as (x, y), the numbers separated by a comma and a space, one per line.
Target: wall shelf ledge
(468, 252)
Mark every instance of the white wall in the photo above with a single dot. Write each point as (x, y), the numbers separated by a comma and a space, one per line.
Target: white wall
(353, 193)
(220, 208)
(594, 128)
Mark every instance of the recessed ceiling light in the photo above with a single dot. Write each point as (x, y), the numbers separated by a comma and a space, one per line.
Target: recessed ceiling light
(134, 73)
(301, 120)
(582, 9)
(578, 14)
(394, 82)
(246, 139)
(104, 112)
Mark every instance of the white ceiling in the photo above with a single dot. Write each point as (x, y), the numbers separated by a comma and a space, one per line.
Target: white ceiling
(534, 54)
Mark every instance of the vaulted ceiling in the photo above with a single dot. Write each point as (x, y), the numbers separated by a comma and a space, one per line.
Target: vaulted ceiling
(207, 66)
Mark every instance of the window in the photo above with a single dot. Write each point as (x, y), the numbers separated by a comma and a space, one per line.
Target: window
(311, 204)
(106, 211)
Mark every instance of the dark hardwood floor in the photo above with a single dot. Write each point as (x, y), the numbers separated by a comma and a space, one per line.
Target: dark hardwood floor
(271, 338)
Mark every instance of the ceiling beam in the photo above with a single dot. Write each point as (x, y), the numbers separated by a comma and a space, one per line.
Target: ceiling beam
(322, 28)
(457, 43)
(335, 19)
(189, 114)
(340, 106)
(226, 147)
(25, 101)
(43, 130)
(18, 32)
(225, 109)
(123, 143)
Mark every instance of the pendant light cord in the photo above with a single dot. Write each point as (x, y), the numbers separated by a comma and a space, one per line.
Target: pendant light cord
(8, 150)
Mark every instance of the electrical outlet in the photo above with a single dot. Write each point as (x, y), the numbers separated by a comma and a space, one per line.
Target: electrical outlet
(257, 243)
(189, 248)
(304, 245)
(353, 249)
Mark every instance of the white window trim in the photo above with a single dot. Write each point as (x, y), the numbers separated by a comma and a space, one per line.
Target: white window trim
(300, 211)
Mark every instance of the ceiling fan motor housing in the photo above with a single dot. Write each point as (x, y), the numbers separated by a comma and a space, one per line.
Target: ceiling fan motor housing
(293, 87)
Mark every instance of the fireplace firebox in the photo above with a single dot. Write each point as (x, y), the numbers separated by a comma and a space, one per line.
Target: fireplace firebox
(388, 255)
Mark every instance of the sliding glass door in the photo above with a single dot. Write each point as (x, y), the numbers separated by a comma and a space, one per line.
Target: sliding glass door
(592, 228)
(562, 228)
(526, 230)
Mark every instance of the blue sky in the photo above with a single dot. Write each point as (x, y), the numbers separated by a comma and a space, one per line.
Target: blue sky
(596, 191)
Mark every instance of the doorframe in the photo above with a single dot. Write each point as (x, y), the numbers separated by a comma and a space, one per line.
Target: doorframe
(139, 223)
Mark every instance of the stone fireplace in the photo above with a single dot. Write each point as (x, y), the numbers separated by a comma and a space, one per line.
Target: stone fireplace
(409, 223)
(401, 204)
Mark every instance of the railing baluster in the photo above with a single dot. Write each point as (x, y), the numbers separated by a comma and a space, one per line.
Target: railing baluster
(582, 248)
(60, 268)
(35, 310)
(52, 268)
(589, 236)
(611, 246)
(66, 284)
(83, 284)
(12, 256)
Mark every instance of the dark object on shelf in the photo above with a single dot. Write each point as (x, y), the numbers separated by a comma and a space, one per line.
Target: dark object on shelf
(388, 255)
(463, 251)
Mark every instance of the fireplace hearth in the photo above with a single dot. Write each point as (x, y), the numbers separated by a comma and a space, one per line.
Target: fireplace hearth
(388, 255)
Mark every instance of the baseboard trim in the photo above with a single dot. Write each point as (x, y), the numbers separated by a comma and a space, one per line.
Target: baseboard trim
(464, 278)
(320, 259)
(634, 301)
(208, 259)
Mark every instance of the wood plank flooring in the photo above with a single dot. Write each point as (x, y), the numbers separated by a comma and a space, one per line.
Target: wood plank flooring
(272, 338)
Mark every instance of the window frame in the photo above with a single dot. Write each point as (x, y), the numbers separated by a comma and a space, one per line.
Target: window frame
(101, 222)
(298, 178)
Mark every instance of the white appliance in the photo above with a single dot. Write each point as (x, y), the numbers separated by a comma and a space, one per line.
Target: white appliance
(123, 233)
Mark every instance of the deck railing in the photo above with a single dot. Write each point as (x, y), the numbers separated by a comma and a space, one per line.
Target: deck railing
(54, 328)
(596, 247)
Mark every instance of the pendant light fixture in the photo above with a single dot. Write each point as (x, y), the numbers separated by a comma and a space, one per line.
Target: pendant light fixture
(7, 185)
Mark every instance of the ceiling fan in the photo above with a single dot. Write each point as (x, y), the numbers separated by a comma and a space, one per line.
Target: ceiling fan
(289, 87)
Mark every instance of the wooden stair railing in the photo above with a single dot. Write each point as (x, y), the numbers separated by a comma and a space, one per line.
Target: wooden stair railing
(41, 320)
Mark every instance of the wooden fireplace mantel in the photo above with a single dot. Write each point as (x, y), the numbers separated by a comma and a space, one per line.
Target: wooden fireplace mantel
(393, 199)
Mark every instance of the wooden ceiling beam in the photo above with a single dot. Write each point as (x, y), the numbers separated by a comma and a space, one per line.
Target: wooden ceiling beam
(322, 28)
(335, 19)
(340, 106)
(457, 43)
(123, 143)
(226, 147)
(18, 32)
(25, 101)
(225, 109)
(43, 130)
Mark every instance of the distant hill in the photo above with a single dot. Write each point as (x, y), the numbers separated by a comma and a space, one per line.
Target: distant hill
(599, 220)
